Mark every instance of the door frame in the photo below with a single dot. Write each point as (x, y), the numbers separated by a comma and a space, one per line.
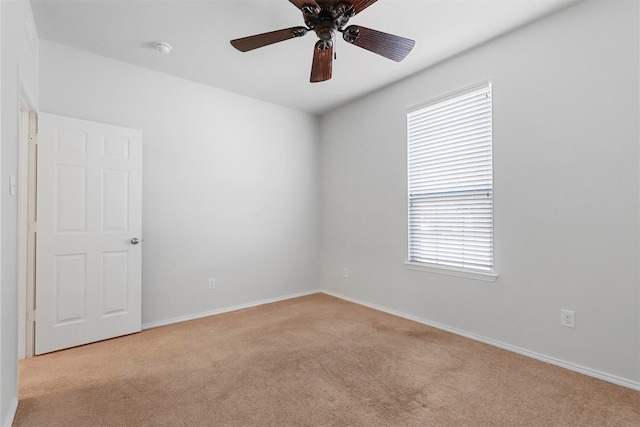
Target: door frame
(28, 119)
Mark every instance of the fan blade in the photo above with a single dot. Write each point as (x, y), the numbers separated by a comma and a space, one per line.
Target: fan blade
(322, 61)
(259, 40)
(393, 47)
(361, 5)
(307, 6)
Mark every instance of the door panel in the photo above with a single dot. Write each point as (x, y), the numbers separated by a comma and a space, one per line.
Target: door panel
(115, 209)
(115, 269)
(88, 273)
(70, 288)
(71, 199)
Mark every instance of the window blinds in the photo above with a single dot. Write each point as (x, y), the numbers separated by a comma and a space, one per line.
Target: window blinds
(450, 180)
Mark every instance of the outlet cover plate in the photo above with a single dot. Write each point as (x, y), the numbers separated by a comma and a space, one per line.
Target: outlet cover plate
(568, 318)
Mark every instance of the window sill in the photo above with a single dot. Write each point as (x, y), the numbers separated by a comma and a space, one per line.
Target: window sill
(452, 271)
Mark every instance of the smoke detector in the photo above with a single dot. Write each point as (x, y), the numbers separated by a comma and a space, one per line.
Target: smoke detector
(162, 47)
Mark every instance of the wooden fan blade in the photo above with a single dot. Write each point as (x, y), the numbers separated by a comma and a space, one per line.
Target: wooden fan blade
(259, 40)
(322, 62)
(393, 47)
(312, 6)
(361, 5)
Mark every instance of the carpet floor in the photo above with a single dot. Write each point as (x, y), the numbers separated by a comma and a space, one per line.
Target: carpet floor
(310, 361)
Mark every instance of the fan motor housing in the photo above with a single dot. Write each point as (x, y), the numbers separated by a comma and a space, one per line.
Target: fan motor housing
(332, 16)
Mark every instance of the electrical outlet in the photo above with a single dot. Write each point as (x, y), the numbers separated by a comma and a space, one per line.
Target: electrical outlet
(567, 318)
(345, 272)
(212, 283)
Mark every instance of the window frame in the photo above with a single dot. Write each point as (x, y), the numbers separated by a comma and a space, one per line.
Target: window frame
(488, 275)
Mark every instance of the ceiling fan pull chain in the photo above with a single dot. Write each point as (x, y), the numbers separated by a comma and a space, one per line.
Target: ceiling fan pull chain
(335, 45)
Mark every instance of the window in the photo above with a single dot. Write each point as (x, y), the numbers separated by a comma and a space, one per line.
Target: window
(450, 181)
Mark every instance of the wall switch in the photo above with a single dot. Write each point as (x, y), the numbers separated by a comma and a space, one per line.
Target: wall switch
(212, 283)
(345, 272)
(567, 318)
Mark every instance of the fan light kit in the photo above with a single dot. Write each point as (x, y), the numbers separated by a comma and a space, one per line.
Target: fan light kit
(162, 47)
(325, 17)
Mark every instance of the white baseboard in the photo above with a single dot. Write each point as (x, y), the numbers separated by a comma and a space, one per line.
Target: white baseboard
(225, 310)
(635, 385)
(12, 413)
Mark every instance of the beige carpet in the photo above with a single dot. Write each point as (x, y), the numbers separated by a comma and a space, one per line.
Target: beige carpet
(311, 361)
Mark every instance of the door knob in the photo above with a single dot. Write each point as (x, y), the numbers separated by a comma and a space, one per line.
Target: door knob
(135, 241)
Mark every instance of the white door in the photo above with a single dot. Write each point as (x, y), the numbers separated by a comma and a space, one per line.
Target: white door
(88, 256)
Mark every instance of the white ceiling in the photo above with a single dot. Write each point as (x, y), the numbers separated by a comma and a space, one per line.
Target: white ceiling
(199, 32)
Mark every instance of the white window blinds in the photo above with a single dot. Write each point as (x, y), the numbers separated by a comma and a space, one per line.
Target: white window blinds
(450, 180)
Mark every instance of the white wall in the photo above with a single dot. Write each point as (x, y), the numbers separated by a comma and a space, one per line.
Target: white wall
(19, 63)
(566, 162)
(231, 189)
(230, 184)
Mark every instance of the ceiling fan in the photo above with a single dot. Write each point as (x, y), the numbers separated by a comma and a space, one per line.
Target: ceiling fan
(325, 17)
